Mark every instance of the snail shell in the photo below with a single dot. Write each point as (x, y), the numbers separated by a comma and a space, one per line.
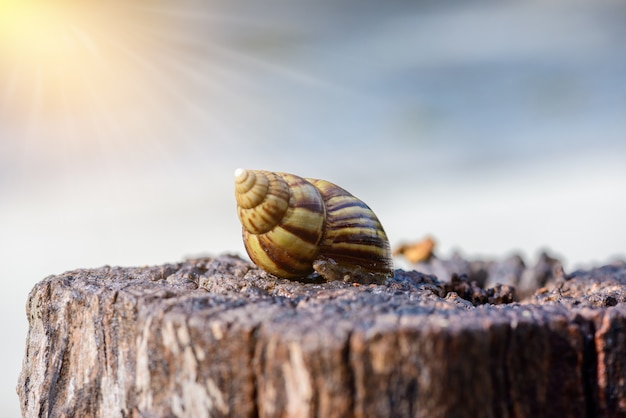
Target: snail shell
(293, 226)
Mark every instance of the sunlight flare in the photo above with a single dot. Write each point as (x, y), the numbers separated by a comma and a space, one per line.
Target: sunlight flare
(66, 79)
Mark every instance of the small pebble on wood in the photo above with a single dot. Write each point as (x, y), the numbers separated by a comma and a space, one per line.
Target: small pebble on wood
(216, 337)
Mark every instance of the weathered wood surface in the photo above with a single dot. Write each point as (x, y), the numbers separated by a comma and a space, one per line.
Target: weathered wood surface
(217, 337)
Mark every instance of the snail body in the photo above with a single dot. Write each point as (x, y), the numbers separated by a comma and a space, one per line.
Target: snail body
(293, 226)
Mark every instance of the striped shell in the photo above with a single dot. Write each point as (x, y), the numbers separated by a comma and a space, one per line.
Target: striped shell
(293, 226)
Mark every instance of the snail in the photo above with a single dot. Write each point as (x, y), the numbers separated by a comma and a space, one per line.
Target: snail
(294, 226)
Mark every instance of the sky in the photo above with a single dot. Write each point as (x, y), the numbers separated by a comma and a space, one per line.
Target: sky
(495, 127)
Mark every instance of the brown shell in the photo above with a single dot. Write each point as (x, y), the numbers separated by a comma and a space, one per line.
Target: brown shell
(292, 225)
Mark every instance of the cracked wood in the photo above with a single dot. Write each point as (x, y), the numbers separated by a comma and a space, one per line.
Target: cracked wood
(218, 337)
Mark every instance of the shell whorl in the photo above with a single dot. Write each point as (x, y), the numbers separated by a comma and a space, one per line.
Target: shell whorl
(262, 199)
(283, 227)
(354, 237)
(291, 224)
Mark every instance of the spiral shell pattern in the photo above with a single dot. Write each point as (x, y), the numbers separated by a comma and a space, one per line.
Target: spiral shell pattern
(291, 224)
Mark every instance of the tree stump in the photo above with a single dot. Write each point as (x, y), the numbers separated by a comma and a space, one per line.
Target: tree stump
(218, 337)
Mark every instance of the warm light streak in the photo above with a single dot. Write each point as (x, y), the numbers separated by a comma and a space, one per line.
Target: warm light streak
(38, 32)
(46, 48)
(79, 73)
(89, 77)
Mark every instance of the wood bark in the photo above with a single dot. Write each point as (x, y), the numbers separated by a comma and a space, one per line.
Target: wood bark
(218, 337)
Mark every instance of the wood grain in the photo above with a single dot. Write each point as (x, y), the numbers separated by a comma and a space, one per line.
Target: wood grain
(218, 337)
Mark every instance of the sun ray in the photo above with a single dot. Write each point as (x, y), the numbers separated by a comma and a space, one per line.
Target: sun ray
(9, 86)
(107, 80)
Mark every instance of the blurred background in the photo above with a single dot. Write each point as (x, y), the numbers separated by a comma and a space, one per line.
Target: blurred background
(495, 127)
